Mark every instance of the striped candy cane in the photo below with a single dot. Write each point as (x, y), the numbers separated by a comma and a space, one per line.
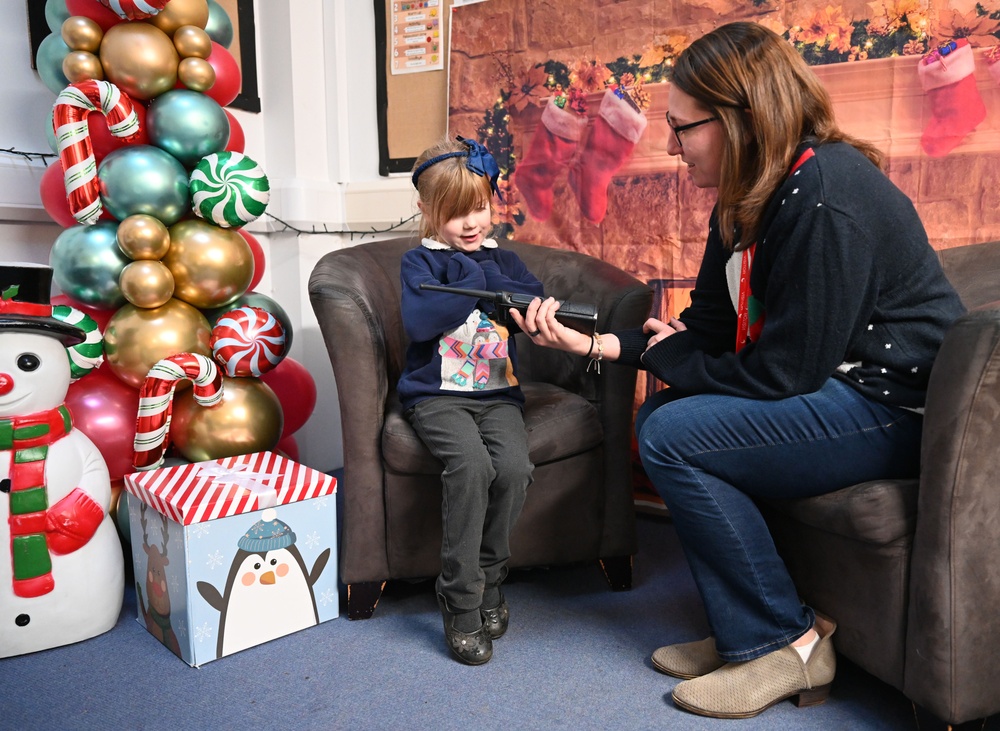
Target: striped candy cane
(156, 398)
(76, 151)
(134, 9)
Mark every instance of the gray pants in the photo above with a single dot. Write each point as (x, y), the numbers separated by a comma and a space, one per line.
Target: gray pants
(484, 448)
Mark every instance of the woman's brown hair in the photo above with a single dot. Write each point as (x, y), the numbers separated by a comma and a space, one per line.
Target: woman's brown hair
(448, 189)
(768, 100)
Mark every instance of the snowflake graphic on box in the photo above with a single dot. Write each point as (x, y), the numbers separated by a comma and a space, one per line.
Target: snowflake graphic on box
(214, 560)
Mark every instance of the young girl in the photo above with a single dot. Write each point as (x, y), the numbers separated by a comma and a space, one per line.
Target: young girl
(459, 389)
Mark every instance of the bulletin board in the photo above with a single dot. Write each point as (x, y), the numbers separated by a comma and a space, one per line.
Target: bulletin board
(412, 107)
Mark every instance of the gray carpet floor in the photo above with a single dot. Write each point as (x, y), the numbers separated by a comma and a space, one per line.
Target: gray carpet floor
(576, 657)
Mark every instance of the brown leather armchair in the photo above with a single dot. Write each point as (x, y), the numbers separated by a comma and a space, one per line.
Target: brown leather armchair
(579, 507)
(910, 569)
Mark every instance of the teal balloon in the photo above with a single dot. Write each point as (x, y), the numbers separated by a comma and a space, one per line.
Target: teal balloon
(255, 299)
(55, 14)
(144, 179)
(51, 52)
(187, 124)
(86, 263)
(220, 25)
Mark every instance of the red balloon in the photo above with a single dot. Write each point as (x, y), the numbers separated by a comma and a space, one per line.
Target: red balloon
(237, 140)
(105, 409)
(289, 447)
(53, 192)
(104, 142)
(296, 391)
(101, 317)
(258, 257)
(104, 17)
(228, 78)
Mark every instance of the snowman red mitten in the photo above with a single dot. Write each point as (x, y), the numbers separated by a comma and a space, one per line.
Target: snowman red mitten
(946, 74)
(616, 130)
(72, 522)
(551, 149)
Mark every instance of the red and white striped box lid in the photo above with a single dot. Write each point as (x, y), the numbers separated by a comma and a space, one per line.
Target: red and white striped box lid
(203, 491)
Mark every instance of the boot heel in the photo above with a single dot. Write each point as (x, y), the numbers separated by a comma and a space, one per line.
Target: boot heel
(813, 696)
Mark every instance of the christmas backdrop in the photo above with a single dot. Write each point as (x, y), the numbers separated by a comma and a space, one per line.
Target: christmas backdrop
(571, 96)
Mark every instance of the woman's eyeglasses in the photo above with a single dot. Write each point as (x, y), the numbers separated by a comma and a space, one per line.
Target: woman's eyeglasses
(685, 127)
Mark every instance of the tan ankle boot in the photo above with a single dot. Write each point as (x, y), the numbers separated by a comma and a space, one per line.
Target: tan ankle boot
(688, 659)
(744, 689)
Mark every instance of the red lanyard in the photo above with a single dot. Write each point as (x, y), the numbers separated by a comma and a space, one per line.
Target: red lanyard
(743, 325)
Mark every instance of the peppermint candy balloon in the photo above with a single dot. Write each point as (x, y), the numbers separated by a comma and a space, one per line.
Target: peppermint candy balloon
(134, 9)
(88, 355)
(248, 341)
(229, 189)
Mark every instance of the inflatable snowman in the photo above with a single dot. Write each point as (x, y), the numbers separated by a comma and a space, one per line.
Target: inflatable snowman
(62, 578)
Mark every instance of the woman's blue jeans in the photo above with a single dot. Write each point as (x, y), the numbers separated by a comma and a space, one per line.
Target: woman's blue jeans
(710, 455)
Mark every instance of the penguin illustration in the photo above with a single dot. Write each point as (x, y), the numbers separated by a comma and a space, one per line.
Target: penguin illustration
(269, 592)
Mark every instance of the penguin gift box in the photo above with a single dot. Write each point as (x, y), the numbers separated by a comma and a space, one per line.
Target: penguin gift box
(62, 579)
(232, 553)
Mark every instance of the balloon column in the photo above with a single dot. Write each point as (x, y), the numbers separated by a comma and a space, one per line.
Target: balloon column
(153, 190)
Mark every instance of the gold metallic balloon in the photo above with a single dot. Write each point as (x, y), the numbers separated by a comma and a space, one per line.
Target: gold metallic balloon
(81, 33)
(146, 283)
(82, 65)
(191, 41)
(135, 338)
(248, 419)
(178, 13)
(141, 236)
(212, 266)
(140, 59)
(196, 74)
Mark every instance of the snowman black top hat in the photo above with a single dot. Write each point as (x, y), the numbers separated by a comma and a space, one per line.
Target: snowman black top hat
(25, 305)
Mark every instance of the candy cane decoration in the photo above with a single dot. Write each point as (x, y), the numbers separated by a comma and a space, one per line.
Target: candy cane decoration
(156, 398)
(134, 9)
(76, 151)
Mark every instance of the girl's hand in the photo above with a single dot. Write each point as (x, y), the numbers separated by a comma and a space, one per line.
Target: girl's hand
(539, 323)
(661, 330)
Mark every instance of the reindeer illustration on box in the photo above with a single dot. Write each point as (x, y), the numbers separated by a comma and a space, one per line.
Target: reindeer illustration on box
(156, 612)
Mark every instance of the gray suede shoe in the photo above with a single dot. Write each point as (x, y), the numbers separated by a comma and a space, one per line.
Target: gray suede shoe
(745, 689)
(688, 659)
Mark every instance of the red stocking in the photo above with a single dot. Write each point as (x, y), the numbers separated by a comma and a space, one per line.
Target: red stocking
(551, 149)
(956, 107)
(616, 129)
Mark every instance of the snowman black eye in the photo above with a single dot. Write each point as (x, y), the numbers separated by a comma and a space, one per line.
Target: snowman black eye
(28, 362)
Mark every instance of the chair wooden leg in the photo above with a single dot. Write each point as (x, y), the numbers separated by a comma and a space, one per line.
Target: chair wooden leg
(362, 598)
(618, 571)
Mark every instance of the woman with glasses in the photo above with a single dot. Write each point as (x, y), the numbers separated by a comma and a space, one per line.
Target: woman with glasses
(799, 368)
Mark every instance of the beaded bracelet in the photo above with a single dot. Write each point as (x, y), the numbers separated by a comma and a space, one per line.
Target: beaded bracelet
(596, 361)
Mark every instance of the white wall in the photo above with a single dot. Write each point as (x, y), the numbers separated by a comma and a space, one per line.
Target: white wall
(316, 138)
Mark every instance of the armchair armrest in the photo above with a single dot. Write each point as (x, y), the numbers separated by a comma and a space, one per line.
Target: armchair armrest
(952, 667)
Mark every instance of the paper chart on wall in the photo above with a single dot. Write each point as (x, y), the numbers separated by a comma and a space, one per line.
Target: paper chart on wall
(416, 36)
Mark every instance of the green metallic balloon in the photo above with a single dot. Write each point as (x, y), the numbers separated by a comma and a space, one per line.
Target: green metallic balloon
(55, 14)
(220, 26)
(144, 179)
(86, 264)
(187, 124)
(51, 52)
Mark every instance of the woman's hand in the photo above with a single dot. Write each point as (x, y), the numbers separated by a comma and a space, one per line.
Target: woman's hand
(539, 323)
(661, 330)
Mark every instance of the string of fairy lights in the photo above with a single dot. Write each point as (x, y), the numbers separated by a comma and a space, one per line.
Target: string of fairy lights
(322, 230)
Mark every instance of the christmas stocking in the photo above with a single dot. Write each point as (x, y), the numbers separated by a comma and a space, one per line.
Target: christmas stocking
(946, 74)
(617, 128)
(551, 149)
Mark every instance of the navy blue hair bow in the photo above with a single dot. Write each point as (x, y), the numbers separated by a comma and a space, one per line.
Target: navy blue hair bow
(480, 162)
